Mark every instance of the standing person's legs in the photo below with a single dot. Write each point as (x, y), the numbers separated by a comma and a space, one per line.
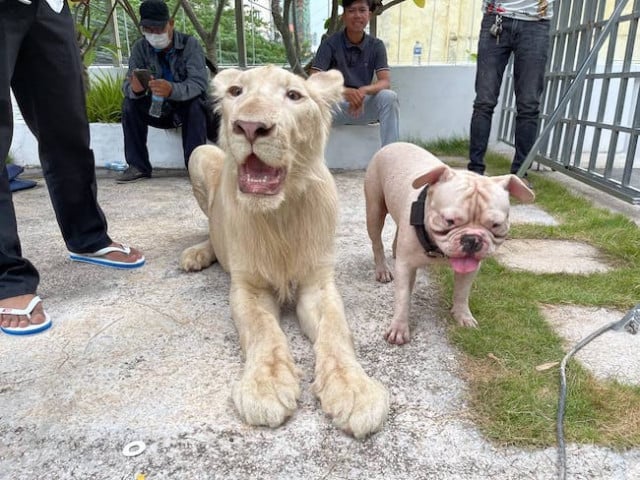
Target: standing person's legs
(385, 107)
(531, 45)
(47, 83)
(192, 116)
(17, 275)
(492, 60)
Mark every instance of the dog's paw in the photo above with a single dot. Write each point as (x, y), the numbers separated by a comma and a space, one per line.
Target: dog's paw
(197, 257)
(357, 403)
(268, 394)
(464, 317)
(398, 333)
(383, 273)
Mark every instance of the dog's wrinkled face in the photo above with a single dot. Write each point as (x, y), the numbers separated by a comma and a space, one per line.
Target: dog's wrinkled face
(274, 123)
(467, 214)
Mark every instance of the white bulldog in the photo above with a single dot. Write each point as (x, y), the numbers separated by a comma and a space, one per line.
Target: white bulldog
(455, 215)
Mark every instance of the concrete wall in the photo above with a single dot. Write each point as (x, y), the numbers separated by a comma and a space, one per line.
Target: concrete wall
(435, 102)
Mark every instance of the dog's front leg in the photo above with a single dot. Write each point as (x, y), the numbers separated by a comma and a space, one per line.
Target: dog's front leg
(357, 403)
(398, 331)
(461, 289)
(269, 388)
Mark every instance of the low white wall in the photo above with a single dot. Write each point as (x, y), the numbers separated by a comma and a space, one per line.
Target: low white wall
(165, 146)
(435, 102)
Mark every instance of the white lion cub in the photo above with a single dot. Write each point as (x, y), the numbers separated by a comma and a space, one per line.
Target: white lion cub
(272, 209)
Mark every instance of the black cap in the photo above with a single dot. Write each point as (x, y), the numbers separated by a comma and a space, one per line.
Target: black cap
(154, 13)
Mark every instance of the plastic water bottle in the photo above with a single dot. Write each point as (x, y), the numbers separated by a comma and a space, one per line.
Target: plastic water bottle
(417, 53)
(156, 106)
(117, 166)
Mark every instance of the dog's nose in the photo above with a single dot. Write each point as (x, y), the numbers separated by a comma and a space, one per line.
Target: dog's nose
(251, 130)
(471, 243)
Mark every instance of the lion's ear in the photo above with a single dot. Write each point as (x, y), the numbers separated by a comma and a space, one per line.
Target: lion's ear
(223, 80)
(328, 84)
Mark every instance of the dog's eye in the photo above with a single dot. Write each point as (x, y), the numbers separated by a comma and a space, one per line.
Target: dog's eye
(450, 222)
(235, 91)
(496, 225)
(294, 95)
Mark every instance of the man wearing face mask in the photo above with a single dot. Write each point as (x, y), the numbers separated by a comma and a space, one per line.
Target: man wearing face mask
(166, 87)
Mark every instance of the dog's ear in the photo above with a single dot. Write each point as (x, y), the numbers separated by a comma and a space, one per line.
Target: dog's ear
(329, 85)
(441, 172)
(223, 80)
(516, 187)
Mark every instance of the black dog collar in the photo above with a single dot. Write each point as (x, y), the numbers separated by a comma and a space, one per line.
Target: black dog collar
(417, 220)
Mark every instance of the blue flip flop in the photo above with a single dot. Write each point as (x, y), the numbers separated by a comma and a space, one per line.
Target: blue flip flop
(32, 328)
(96, 258)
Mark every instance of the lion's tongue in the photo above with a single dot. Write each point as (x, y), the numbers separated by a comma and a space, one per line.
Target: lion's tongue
(258, 178)
(464, 264)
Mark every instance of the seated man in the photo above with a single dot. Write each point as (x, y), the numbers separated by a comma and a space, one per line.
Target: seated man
(173, 82)
(358, 56)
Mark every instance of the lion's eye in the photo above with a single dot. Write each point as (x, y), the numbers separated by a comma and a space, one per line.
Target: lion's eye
(294, 95)
(235, 91)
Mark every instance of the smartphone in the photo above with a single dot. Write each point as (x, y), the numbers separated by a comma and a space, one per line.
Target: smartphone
(143, 75)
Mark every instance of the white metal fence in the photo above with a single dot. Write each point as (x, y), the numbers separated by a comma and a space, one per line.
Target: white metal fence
(591, 106)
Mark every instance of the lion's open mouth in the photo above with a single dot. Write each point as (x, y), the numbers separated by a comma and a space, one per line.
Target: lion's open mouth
(258, 178)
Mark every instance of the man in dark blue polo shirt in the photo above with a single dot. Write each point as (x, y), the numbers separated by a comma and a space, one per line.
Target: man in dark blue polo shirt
(358, 56)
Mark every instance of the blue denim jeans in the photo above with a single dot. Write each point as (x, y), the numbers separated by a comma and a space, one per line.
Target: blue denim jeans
(529, 43)
(382, 107)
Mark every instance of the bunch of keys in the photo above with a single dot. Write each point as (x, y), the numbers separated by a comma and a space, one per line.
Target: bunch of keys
(496, 28)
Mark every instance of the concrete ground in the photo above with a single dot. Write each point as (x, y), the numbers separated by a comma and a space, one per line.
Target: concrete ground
(151, 355)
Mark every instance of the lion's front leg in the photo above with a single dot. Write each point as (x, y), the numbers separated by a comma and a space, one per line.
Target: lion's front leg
(205, 167)
(268, 391)
(357, 403)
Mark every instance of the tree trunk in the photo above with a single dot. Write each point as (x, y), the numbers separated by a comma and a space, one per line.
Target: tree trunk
(281, 21)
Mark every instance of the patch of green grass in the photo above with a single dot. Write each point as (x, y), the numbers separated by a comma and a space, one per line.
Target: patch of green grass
(513, 403)
(104, 99)
(458, 146)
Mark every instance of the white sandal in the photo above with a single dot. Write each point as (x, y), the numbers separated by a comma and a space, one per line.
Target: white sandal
(33, 327)
(95, 257)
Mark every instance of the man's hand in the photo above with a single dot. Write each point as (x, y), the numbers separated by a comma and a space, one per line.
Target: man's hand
(355, 97)
(136, 86)
(160, 88)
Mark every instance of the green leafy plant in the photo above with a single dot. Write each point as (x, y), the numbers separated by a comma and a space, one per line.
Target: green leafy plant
(104, 99)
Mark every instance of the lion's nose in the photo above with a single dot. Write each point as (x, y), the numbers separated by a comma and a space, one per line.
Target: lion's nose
(471, 243)
(251, 130)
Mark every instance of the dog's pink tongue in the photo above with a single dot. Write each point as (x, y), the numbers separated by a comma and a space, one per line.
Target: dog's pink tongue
(464, 264)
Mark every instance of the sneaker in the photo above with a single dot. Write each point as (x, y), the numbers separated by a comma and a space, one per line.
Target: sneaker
(132, 174)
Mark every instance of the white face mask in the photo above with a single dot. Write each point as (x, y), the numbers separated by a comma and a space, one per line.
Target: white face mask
(158, 40)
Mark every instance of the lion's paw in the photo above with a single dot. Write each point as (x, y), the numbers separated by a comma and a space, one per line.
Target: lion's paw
(197, 257)
(267, 395)
(357, 403)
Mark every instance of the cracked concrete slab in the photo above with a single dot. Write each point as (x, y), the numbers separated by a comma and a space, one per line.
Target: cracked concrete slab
(614, 355)
(152, 354)
(530, 214)
(560, 256)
